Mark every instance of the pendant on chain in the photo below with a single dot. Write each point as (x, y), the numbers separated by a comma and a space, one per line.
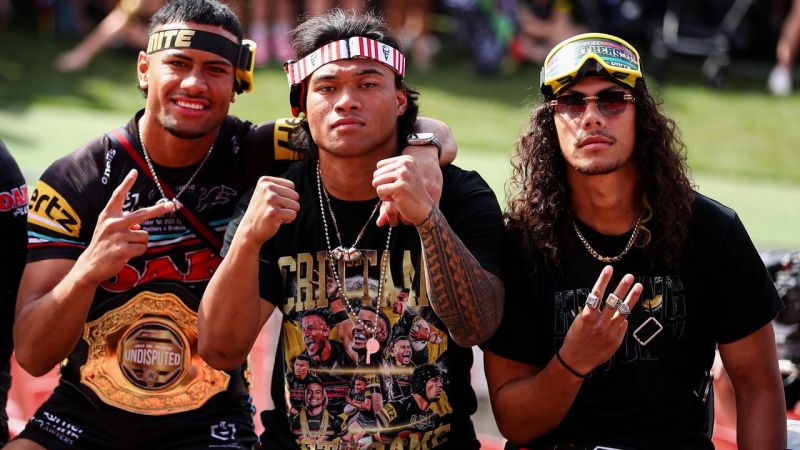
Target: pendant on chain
(349, 255)
(372, 347)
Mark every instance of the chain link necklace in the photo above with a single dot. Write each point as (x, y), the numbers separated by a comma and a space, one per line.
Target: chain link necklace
(609, 259)
(372, 343)
(164, 199)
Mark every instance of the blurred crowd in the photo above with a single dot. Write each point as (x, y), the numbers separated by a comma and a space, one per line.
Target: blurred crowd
(495, 34)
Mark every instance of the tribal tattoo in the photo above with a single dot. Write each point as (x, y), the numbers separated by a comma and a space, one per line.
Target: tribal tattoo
(467, 298)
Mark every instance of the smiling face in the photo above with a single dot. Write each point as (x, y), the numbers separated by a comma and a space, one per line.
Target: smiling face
(352, 108)
(361, 329)
(315, 395)
(189, 91)
(594, 143)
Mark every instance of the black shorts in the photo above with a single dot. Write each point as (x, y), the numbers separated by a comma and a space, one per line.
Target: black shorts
(70, 419)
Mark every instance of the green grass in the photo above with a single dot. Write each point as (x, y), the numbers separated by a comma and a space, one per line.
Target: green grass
(742, 143)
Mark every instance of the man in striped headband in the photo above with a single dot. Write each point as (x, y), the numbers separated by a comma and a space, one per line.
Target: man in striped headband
(309, 242)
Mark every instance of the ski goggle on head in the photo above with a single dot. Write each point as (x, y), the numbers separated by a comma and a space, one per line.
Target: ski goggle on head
(590, 54)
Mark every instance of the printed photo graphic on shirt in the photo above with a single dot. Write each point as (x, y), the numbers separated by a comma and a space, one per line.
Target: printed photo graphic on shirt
(49, 209)
(336, 400)
(663, 298)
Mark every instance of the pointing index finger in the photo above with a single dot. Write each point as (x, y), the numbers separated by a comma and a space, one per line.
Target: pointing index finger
(114, 205)
(141, 215)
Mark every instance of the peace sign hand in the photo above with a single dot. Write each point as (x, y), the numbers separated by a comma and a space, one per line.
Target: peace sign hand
(118, 236)
(598, 331)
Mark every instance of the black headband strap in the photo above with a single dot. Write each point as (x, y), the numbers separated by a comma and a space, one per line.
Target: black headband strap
(238, 55)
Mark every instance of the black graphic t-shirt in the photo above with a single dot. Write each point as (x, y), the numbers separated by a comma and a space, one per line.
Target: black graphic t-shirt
(74, 190)
(13, 214)
(436, 380)
(720, 294)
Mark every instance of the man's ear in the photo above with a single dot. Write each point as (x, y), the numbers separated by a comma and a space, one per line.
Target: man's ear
(402, 101)
(142, 65)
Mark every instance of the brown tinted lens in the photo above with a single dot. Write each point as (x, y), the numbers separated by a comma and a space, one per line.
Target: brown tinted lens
(611, 102)
(572, 105)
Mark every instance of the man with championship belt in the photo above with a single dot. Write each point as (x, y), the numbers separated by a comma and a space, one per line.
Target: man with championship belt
(317, 227)
(125, 233)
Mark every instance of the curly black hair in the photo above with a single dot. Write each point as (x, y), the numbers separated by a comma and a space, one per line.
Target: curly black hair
(538, 196)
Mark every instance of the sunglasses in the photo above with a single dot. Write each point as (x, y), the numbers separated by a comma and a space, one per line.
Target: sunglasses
(609, 103)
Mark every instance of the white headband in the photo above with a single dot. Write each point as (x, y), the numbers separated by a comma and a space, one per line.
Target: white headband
(355, 47)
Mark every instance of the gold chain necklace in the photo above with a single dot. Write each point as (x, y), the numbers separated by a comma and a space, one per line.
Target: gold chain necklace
(609, 259)
(164, 199)
(372, 343)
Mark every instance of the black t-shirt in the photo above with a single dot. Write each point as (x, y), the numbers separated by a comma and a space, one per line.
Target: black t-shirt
(289, 277)
(74, 190)
(720, 294)
(13, 215)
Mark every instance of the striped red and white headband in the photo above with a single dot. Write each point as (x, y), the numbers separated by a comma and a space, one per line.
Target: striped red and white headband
(355, 47)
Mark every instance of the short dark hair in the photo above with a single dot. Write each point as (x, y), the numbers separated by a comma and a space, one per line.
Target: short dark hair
(315, 312)
(206, 12)
(301, 357)
(336, 25)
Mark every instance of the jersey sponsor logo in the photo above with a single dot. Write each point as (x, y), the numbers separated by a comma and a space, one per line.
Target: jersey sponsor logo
(282, 136)
(154, 355)
(62, 430)
(107, 170)
(50, 210)
(223, 431)
(164, 39)
(16, 199)
(200, 264)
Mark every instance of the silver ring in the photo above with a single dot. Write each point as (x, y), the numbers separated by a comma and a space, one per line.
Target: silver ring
(592, 301)
(623, 309)
(613, 301)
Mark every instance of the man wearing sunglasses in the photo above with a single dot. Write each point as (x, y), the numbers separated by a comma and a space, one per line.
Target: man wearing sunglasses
(600, 187)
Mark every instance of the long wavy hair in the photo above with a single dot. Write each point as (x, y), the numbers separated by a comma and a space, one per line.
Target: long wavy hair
(539, 205)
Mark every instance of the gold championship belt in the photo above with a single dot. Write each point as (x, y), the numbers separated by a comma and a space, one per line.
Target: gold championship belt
(142, 357)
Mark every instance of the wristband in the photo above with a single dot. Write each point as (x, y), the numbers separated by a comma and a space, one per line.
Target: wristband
(566, 366)
(340, 317)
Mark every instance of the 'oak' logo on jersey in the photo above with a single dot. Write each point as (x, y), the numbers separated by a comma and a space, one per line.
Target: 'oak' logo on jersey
(13, 199)
(50, 210)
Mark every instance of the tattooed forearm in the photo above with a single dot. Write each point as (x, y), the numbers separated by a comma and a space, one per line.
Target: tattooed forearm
(468, 299)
